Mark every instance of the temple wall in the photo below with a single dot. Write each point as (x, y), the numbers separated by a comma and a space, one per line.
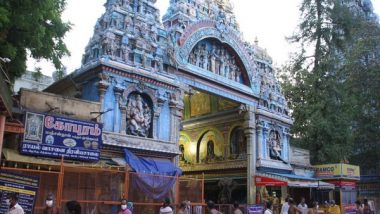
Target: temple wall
(57, 104)
(90, 91)
(116, 99)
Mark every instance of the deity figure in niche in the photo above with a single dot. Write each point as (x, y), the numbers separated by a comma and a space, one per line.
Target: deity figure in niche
(204, 53)
(34, 127)
(138, 116)
(210, 150)
(238, 144)
(128, 23)
(222, 59)
(182, 150)
(210, 155)
(192, 58)
(212, 63)
(275, 150)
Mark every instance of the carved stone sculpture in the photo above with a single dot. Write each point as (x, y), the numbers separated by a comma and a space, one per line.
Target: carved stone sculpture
(275, 150)
(138, 116)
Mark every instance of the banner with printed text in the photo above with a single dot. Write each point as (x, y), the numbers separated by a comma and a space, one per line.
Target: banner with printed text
(54, 136)
(255, 209)
(334, 171)
(25, 188)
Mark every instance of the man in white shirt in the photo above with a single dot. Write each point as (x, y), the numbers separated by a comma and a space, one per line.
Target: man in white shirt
(303, 206)
(285, 206)
(14, 207)
(268, 208)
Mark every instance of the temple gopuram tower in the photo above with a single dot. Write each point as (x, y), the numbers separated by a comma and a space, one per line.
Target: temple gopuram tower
(189, 90)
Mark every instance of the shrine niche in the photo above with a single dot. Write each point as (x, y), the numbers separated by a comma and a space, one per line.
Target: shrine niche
(210, 148)
(184, 148)
(238, 144)
(213, 56)
(275, 146)
(139, 115)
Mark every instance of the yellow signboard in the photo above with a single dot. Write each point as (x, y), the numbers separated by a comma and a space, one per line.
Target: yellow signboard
(331, 171)
(328, 170)
(350, 171)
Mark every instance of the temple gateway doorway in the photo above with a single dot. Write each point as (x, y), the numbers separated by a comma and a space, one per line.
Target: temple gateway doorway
(213, 143)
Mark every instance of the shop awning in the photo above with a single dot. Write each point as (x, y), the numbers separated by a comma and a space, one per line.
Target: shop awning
(267, 181)
(311, 184)
(293, 176)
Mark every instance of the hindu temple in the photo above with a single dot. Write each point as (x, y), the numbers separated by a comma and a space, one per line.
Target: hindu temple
(189, 90)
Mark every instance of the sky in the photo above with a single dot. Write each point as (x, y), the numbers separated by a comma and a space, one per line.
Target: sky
(270, 21)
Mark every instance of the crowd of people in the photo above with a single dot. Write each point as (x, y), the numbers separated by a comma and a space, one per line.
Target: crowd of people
(126, 207)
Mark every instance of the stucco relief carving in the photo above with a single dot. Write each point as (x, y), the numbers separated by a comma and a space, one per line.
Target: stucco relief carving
(139, 116)
(183, 55)
(275, 146)
(216, 59)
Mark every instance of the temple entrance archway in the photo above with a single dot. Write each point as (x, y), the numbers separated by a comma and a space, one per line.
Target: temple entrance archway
(211, 125)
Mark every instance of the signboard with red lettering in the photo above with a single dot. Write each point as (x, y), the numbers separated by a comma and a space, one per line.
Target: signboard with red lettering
(265, 181)
(53, 136)
(349, 209)
(346, 185)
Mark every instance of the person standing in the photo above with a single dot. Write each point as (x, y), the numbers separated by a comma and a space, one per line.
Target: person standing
(14, 207)
(182, 208)
(73, 207)
(124, 207)
(166, 209)
(313, 209)
(285, 206)
(188, 207)
(366, 207)
(292, 207)
(303, 206)
(333, 208)
(268, 208)
(237, 210)
(211, 208)
(359, 207)
(50, 208)
(130, 206)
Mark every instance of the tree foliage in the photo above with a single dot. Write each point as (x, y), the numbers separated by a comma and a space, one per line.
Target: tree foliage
(32, 27)
(326, 82)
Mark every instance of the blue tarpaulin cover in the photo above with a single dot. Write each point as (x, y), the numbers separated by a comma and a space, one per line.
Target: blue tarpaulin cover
(154, 177)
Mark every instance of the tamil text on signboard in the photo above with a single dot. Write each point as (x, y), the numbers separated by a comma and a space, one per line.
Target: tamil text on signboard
(25, 187)
(53, 136)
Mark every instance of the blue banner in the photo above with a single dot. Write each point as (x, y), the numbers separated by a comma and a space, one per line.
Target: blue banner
(255, 209)
(25, 187)
(53, 136)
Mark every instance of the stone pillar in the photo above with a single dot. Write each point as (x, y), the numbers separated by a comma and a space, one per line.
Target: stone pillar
(265, 144)
(250, 133)
(2, 128)
(118, 91)
(176, 108)
(156, 116)
(286, 146)
(103, 85)
(259, 130)
(123, 123)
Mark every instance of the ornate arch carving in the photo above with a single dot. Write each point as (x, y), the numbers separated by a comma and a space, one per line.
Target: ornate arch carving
(207, 29)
